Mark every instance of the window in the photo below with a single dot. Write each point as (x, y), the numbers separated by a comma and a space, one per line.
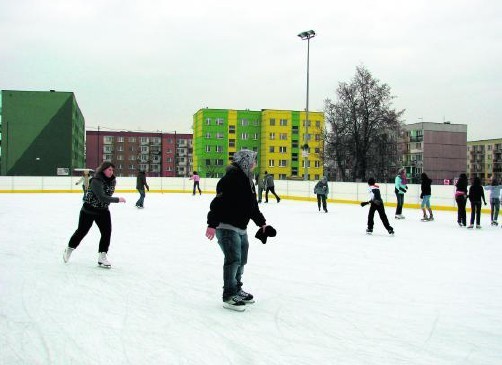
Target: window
(208, 148)
(271, 149)
(218, 162)
(144, 149)
(132, 139)
(107, 149)
(231, 143)
(272, 121)
(255, 136)
(294, 129)
(283, 122)
(231, 129)
(120, 139)
(244, 136)
(208, 135)
(120, 148)
(143, 158)
(283, 136)
(132, 167)
(132, 158)
(219, 148)
(271, 136)
(318, 123)
(120, 157)
(107, 157)
(282, 176)
(308, 124)
(143, 140)
(317, 150)
(208, 162)
(208, 121)
(317, 164)
(294, 144)
(282, 149)
(156, 140)
(107, 139)
(270, 163)
(219, 121)
(294, 156)
(143, 166)
(244, 122)
(283, 163)
(219, 135)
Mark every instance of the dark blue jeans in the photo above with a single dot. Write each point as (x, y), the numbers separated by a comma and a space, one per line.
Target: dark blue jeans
(235, 248)
(400, 202)
(141, 199)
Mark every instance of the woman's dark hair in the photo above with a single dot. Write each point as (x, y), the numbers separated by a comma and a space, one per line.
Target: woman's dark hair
(371, 181)
(424, 176)
(476, 181)
(494, 181)
(104, 166)
(462, 177)
(195, 172)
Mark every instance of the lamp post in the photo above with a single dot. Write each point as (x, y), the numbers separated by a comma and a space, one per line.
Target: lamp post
(307, 36)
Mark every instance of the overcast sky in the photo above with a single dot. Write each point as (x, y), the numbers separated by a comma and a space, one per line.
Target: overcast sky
(151, 65)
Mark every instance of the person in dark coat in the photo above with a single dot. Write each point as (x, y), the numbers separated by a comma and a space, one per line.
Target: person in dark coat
(321, 189)
(270, 186)
(376, 204)
(461, 199)
(140, 186)
(476, 193)
(230, 211)
(95, 209)
(425, 195)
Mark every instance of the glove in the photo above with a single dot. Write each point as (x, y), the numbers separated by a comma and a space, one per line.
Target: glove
(364, 204)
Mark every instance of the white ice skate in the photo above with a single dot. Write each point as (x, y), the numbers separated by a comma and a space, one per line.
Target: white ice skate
(103, 261)
(67, 253)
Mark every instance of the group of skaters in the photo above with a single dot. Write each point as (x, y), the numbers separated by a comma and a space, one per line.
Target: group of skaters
(236, 203)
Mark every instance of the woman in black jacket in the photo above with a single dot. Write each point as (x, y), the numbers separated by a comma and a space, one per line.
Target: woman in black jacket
(461, 199)
(425, 195)
(230, 211)
(476, 193)
(95, 209)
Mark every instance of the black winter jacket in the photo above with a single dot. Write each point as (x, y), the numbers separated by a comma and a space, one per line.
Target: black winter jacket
(235, 202)
(426, 187)
(99, 195)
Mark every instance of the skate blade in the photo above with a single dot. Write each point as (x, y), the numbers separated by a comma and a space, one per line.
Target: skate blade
(103, 266)
(239, 308)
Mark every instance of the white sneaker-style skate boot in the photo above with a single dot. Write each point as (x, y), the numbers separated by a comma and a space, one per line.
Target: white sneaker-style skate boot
(67, 253)
(103, 261)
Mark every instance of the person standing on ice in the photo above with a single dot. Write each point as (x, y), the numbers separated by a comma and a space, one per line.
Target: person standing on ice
(461, 199)
(494, 188)
(476, 193)
(400, 183)
(230, 211)
(196, 182)
(270, 186)
(425, 195)
(140, 186)
(321, 189)
(95, 209)
(376, 204)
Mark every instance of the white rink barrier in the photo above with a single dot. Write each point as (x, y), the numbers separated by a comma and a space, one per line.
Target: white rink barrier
(342, 192)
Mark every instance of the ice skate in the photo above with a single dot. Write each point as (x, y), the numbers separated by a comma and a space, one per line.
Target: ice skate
(247, 298)
(103, 261)
(478, 227)
(67, 253)
(471, 226)
(235, 303)
(369, 231)
(391, 231)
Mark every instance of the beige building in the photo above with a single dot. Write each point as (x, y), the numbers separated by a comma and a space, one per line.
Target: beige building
(438, 149)
(484, 159)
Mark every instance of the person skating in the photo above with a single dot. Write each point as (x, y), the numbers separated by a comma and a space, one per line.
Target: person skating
(270, 186)
(140, 186)
(95, 209)
(400, 183)
(461, 199)
(494, 188)
(425, 195)
(196, 182)
(321, 189)
(376, 204)
(259, 183)
(476, 193)
(230, 211)
(84, 180)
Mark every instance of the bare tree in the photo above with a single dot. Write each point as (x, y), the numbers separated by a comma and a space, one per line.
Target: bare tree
(364, 128)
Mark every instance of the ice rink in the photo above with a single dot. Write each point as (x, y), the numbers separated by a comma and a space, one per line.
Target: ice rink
(326, 293)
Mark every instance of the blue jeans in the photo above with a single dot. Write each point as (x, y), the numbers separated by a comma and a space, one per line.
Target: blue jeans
(426, 201)
(400, 202)
(141, 199)
(235, 248)
(495, 205)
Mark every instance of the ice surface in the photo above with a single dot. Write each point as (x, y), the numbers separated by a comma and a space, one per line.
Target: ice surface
(326, 293)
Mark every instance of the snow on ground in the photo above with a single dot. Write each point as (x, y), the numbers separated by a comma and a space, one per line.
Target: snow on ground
(326, 292)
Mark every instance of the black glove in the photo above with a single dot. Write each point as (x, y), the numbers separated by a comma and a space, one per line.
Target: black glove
(364, 204)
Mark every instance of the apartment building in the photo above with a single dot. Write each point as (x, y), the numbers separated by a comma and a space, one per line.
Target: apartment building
(484, 159)
(42, 133)
(438, 149)
(159, 154)
(285, 142)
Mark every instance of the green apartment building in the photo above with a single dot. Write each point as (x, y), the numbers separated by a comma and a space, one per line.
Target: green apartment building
(279, 137)
(42, 133)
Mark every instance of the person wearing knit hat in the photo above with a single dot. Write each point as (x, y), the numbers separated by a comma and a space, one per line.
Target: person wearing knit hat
(230, 212)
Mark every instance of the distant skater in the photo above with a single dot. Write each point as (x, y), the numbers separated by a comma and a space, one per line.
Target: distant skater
(476, 193)
(494, 188)
(95, 209)
(461, 199)
(84, 180)
(196, 182)
(259, 183)
(401, 187)
(425, 195)
(376, 204)
(321, 189)
(270, 186)
(140, 186)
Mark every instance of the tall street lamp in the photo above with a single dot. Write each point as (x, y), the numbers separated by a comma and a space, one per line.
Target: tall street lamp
(306, 36)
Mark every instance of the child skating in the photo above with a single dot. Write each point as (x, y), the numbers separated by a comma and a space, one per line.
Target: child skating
(376, 204)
